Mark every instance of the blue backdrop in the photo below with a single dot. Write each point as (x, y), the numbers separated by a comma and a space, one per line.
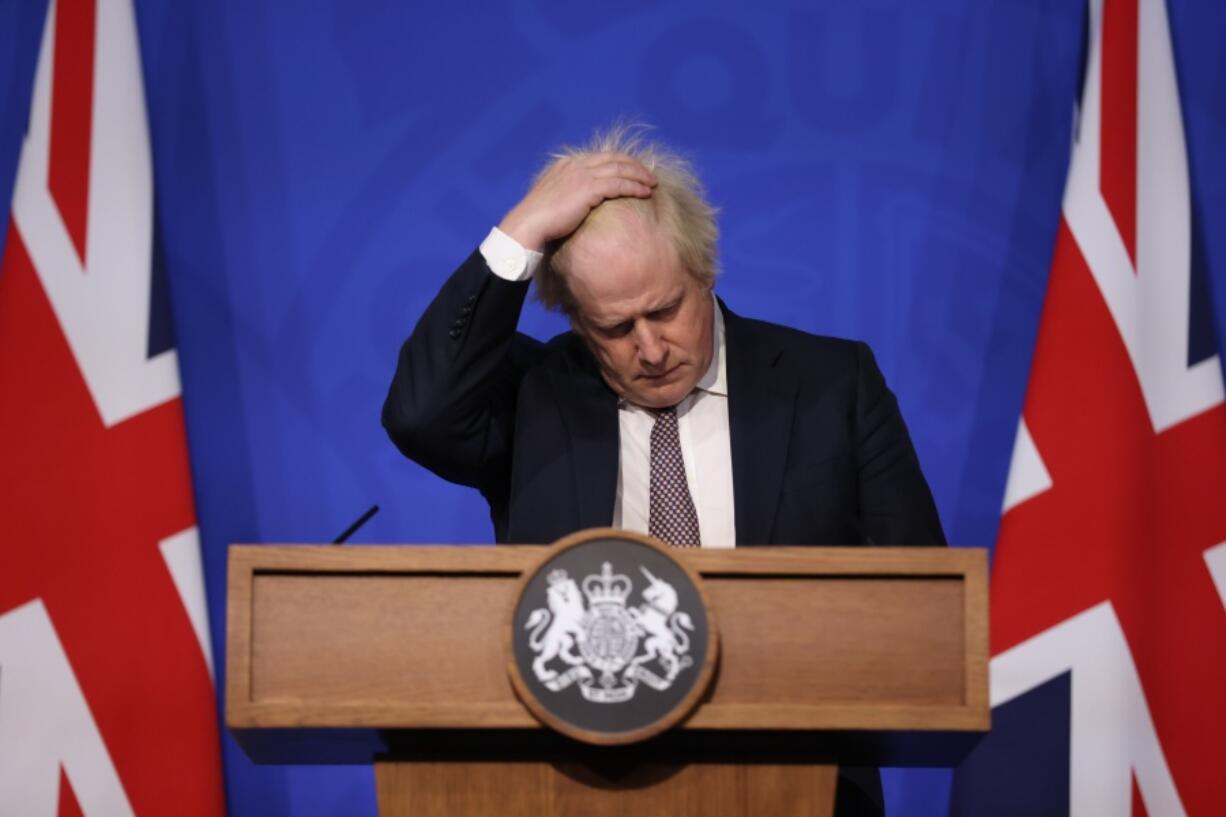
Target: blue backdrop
(886, 170)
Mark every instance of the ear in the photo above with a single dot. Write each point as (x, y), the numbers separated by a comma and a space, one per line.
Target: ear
(580, 328)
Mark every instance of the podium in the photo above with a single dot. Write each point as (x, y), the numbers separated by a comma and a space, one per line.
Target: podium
(397, 656)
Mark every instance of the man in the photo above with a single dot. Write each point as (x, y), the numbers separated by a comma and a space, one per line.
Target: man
(661, 411)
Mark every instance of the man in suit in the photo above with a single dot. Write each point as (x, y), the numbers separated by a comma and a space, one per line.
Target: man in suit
(662, 410)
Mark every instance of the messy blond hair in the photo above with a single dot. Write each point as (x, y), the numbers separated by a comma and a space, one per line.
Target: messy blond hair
(678, 204)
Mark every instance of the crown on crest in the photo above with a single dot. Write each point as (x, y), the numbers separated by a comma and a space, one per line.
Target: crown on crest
(608, 587)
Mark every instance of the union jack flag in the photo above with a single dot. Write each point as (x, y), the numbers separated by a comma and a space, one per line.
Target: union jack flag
(106, 693)
(1108, 629)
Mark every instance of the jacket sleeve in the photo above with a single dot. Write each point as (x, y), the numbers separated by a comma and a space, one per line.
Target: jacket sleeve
(451, 404)
(896, 506)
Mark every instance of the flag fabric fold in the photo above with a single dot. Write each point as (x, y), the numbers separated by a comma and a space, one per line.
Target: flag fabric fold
(106, 690)
(1108, 622)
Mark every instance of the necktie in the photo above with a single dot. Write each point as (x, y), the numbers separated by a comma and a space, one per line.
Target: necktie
(672, 517)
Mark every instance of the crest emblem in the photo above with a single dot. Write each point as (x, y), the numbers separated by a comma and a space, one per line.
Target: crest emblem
(610, 639)
(606, 646)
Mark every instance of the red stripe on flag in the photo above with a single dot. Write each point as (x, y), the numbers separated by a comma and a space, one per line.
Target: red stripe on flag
(84, 508)
(1118, 159)
(68, 807)
(1138, 805)
(1128, 518)
(72, 103)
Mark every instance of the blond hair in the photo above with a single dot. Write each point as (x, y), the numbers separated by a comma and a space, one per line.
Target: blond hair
(678, 204)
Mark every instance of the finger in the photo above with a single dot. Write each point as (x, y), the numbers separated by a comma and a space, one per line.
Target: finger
(616, 188)
(626, 169)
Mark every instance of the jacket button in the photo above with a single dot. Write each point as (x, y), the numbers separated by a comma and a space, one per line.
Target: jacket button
(455, 333)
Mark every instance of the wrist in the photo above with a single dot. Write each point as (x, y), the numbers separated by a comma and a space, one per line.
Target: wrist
(523, 234)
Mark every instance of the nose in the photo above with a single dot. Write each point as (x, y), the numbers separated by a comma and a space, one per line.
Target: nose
(653, 351)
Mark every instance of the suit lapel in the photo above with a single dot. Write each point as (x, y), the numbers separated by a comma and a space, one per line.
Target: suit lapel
(589, 410)
(761, 402)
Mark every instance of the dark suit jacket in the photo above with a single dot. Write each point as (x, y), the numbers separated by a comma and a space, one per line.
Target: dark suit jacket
(820, 453)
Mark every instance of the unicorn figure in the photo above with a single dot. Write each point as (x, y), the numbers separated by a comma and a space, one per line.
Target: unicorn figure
(666, 630)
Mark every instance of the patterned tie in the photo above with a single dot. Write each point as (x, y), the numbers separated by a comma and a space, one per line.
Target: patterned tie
(672, 515)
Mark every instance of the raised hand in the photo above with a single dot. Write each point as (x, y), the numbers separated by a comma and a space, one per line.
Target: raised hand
(567, 191)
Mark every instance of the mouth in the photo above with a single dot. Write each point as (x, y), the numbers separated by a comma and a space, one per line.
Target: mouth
(662, 377)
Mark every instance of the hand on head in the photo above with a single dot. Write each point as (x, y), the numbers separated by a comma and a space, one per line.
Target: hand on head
(567, 191)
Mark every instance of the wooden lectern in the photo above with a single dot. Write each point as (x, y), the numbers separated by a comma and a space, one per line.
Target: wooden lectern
(396, 656)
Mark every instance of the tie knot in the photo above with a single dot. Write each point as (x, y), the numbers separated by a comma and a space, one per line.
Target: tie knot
(666, 415)
(665, 424)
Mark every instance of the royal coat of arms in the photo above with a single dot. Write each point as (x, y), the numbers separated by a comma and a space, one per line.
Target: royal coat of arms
(592, 638)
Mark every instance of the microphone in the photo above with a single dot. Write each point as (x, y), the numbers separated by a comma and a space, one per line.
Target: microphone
(357, 523)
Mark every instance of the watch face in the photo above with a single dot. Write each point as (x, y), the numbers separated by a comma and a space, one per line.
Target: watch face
(611, 638)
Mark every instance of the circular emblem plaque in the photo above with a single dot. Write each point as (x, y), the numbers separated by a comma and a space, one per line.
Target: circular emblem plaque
(611, 638)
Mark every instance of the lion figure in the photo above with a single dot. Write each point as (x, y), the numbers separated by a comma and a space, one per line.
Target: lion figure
(556, 631)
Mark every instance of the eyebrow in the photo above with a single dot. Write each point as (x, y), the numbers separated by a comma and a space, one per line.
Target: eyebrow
(616, 322)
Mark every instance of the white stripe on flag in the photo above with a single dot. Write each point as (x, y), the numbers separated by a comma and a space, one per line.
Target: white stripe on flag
(1112, 734)
(181, 553)
(1028, 476)
(1215, 558)
(46, 724)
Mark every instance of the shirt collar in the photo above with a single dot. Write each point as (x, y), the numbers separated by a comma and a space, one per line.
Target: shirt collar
(715, 379)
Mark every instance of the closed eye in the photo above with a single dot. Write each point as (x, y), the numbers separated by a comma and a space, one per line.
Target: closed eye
(665, 313)
(617, 330)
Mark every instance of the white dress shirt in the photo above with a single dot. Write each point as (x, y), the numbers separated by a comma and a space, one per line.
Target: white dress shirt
(702, 423)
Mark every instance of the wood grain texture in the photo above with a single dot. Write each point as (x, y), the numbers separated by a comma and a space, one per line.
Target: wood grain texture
(840, 640)
(311, 649)
(238, 631)
(411, 637)
(570, 789)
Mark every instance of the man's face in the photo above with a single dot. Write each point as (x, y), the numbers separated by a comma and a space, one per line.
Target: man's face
(646, 319)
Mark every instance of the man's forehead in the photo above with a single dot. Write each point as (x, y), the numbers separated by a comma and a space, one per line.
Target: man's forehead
(619, 272)
(610, 311)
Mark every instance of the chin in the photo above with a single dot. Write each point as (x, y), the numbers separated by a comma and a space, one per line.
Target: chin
(663, 397)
